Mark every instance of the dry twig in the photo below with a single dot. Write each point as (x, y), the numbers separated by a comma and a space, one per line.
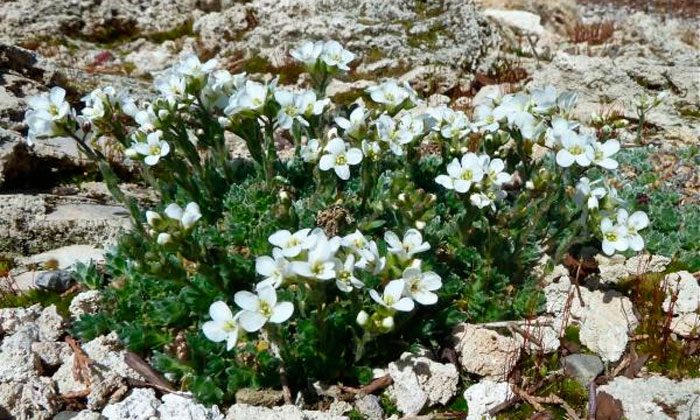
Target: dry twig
(81, 362)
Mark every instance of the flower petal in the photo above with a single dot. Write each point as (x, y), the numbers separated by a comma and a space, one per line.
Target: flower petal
(220, 312)
(246, 300)
(214, 332)
(282, 312)
(404, 304)
(251, 321)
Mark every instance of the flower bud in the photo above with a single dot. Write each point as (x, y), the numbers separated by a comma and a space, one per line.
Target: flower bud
(224, 122)
(530, 185)
(283, 195)
(388, 322)
(130, 153)
(162, 114)
(163, 238)
(607, 129)
(420, 224)
(152, 218)
(362, 318)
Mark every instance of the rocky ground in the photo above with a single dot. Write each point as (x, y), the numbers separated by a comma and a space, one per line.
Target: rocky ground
(54, 213)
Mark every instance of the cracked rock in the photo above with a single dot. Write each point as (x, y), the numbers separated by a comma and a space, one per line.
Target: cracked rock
(485, 352)
(141, 404)
(177, 407)
(484, 396)
(419, 381)
(85, 303)
(682, 293)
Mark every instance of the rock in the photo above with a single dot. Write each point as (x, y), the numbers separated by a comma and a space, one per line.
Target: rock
(682, 293)
(538, 337)
(228, 24)
(520, 21)
(82, 415)
(601, 80)
(13, 318)
(616, 268)
(285, 412)
(38, 223)
(686, 325)
(259, 397)
(149, 58)
(19, 365)
(34, 398)
(50, 324)
(85, 303)
(141, 404)
(57, 281)
(338, 408)
(177, 407)
(22, 339)
(369, 407)
(605, 321)
(108, 370)
(582, 367)
(484, 352)
(656, 398)
(52, 354)
(419, 381)
(65, 257)
(484, 396)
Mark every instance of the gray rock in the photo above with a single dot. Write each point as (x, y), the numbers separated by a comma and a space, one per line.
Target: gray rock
(177, 407)
(285, 412)
(56, 281)
(85, 303)
(51, 324)
(484, 352)
(65, 257)
(52, 354)
(650, 398)
(36, 223)
(484, 396)
(605, 321)
(420, 381)
(682, 293)
(259, 397)
(369, 407)
(13, 318)
(141, 404)
(19, 365)
(582, 367)
(686, 325)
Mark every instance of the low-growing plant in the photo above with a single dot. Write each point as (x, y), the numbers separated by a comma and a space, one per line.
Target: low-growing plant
(387, 223)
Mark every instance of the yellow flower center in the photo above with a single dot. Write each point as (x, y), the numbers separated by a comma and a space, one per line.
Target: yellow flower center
(467, 174)
(230, 326)
(265, 309)
(341, 160)
(576, 150)
(155, 150)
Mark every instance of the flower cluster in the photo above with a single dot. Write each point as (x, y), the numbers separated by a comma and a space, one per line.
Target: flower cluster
(481, 173)
(176, 222)
(46, 113)
(624, 234)
(309, 257)
(330, 53)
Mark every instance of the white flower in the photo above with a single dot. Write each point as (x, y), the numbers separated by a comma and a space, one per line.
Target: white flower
(372, 150)
(292, 244)
(223, 325)
(310, 106)
(614, 237)
(514, 108)
(188, 217)
(291, 108)
(355, 123)
(393, 136)
(153, 149)
(334, 55)
(411, 244)
(370, 260)
(171, 85)
(545, 99)
(308, 52)
(261, 308)
(461, 175)
(575, 148)
(354, 241)
(44, 112)
(600, 153)
(345, 275)
(494, 170)
(389, 93)
(633, 224)
(458, 127)
(320, 264)
(392, 297)
(560, 129)
(251, 97)
(146, 119)
(275, 269)
(412, 125)
(310, 151)
(339, 158)
(566, 101)
(420, 286)
(485, 120)
(585, 193)
(191, 66)
(481, 200)
(152, 218)
(388, 323)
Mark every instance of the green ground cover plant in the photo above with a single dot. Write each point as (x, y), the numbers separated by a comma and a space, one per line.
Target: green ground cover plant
(349, 235)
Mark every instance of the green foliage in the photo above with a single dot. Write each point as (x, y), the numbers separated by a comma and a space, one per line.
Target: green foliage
(43, 297)
(676, 225)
